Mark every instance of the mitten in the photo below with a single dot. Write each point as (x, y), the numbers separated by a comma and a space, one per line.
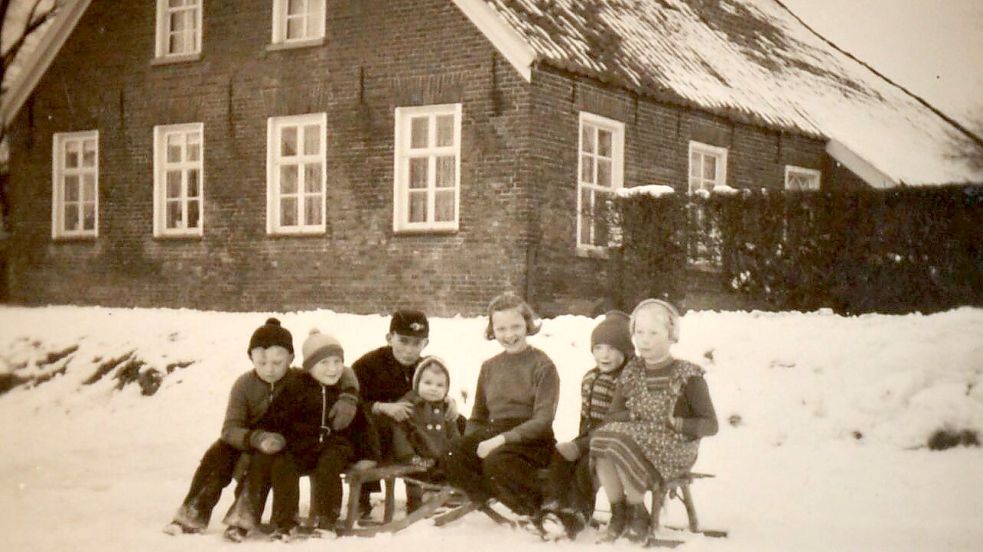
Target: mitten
(568, 450)
(451, 413)
(267, 442)
(343, 411)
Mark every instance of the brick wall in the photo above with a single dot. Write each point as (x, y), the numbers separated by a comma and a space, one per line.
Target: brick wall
(378, 55)
(657, 139)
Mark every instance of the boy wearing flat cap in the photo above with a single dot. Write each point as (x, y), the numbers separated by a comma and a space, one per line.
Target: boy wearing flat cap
(385, 375)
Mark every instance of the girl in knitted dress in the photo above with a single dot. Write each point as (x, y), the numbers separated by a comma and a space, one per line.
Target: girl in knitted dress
(509, 436)
(660, 410)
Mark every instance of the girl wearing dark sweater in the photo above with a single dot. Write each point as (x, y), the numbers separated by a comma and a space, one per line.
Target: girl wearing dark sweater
(660, 410)
(509, 436)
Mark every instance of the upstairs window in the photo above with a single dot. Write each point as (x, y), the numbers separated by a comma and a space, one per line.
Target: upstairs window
(178, 28)
(178, 180)
(600, 170)
(707, 167)
(298, 21)
(296, 174)
(427, 168)
(800, 179)
(75, 205)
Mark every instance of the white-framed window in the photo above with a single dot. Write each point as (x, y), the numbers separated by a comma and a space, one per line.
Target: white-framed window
(295, 174)
(178, 28)
(179, 179)
(298, 21)
(75, 184)
(800, 179)
(427, 168)
(600, 170)
(707, 167)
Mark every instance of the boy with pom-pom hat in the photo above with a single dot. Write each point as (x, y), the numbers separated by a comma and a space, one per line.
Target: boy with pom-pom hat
(313, 445)
(271, 351)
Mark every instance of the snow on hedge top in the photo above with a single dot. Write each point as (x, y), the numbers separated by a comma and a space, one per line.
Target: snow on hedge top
(654, 190)
(753, 61)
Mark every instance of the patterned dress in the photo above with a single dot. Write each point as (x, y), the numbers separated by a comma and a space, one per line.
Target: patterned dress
(646, 448)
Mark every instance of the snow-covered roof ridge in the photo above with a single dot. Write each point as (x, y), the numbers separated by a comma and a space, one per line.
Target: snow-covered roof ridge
(752, 61)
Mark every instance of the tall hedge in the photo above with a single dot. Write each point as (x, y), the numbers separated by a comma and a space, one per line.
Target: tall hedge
(892, 251)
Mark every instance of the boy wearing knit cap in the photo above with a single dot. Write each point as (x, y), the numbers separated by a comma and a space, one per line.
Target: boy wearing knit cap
(570, 490)
(425, 436)
(300, 414)
(271, 352)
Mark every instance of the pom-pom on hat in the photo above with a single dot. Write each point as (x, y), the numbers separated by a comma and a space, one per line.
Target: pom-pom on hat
(412, 323)
(430, 363)
(319, 346)
(613, 331)
(269, 335)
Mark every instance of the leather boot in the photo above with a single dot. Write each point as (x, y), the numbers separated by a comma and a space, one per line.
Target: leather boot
(619, 519)
(639, 523)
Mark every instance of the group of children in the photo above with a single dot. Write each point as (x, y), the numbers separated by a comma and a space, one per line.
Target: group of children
(642, 416)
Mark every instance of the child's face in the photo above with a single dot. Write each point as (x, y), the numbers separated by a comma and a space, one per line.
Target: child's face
(271, 363)
(406, 348)
(509, 328)
(651, 335)
(433, 385)
(607, 357)
(328, 370)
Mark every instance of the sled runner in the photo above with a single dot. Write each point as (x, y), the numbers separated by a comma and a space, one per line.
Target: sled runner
(679, 488)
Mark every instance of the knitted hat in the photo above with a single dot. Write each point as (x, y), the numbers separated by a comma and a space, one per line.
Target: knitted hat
(269, 335)
(430, 362)
(613, 331)
(673, 316)
(318, 347)
(412, 323)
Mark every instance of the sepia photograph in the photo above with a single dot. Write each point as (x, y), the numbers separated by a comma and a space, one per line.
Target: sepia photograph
(491, 275)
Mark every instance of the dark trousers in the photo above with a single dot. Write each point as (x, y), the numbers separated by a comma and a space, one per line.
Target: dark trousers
(384, 428)
(214, 473)
(282, 471)
(571, 484)
(508, 474)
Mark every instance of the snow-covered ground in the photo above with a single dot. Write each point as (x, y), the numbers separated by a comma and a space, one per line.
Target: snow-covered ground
(824, 421)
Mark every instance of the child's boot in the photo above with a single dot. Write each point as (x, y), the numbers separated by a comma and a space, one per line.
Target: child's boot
(639, 523)
(619, 519)
(234, 533)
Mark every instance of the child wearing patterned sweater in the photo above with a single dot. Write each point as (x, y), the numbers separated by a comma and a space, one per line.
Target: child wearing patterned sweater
(571, 489)
(660, 411)
(510, 433)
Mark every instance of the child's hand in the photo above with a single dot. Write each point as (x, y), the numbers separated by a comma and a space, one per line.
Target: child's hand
(267, 442)
(451, 413)
(364, 465)
(421, 462)
(398, 411)
(568, 450)
(676, 424)
(487, 446)
(343, 412)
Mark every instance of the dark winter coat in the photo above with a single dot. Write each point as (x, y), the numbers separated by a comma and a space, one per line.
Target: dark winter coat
(249, 400)
(300, 413)
(596, 392)
(381, 377)
(426, 432)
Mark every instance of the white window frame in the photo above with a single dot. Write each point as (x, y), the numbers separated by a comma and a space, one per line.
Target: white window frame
(720, 174)
(275, 160)
(401, 167)
(315, 14)
(164, 29)
(162, 167)
(595, 124)
(60, 171)
(814, 176)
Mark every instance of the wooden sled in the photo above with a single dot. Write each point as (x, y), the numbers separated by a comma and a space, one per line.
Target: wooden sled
(438, 497)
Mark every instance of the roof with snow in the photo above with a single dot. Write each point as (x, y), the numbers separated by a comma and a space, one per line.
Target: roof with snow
(749, 60)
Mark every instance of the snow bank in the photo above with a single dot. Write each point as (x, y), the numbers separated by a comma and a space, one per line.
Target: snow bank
(824, 421)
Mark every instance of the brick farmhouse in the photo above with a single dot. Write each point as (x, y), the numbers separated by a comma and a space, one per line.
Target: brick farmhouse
(363, 155)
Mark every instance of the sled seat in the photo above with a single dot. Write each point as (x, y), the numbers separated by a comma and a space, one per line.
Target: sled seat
(679, 488)
(439, 496)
